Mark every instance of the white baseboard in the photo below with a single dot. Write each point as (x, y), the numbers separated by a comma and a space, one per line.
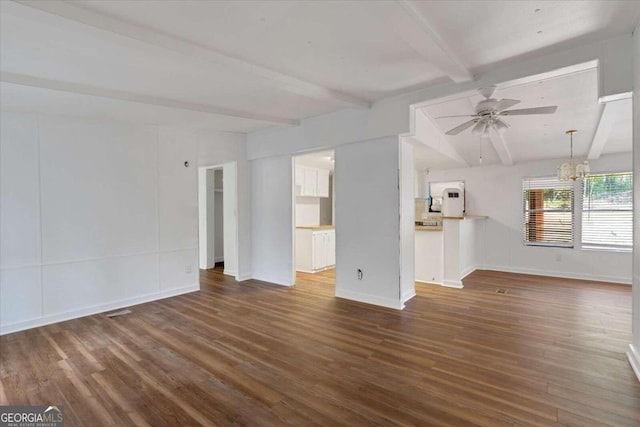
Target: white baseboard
(468, 271)
(244, 276)
(634, 360)
(562, 274)
(406, 296)
(370, 299)
(219, 259)
(229, 273)
(272, 281)
(453, 284)
(101, 308)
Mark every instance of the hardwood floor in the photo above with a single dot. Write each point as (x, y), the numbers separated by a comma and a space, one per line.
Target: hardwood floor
(548, 352)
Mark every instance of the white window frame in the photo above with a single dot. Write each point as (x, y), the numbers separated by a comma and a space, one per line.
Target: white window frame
(526, 185)
(594, 246)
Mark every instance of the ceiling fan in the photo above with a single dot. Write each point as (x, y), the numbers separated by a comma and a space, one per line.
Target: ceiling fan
(490, 112)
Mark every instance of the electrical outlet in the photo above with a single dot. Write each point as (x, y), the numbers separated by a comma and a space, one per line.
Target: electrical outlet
(360, 274)
(187, 268)
(558, 257)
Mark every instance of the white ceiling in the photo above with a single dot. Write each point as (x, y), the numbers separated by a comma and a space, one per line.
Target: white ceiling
(536, 137)
(247, 65)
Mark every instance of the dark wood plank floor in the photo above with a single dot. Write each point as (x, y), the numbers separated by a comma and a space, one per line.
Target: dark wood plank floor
(548, 352)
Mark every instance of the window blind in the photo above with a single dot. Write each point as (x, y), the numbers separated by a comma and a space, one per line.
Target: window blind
(607, 211)
(547, 212)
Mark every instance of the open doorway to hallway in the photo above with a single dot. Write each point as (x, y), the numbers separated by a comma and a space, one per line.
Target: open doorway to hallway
(314, 253)
(217, 196)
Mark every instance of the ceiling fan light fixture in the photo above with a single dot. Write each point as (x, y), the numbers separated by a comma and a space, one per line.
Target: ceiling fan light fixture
(500, 126)
(479, 128)
(572, 170)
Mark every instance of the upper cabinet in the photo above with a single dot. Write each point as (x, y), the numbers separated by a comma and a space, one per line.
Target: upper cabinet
(311, 182)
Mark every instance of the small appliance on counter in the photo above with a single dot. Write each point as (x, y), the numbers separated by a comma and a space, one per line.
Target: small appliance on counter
(452, 202)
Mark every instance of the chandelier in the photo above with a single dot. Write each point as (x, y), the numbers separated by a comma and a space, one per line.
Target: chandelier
(572, 170)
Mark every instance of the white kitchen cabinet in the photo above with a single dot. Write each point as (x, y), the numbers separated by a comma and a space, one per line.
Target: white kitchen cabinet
(315, 249)
(311, 182)
(331, 248)
(322, 183)
(310, 187)
(299, 180)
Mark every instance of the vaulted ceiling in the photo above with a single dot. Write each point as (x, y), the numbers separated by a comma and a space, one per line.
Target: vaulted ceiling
(248, 65)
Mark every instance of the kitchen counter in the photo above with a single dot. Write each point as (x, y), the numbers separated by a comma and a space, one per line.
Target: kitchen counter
(466, 217)
(428, 228)
(317, 227)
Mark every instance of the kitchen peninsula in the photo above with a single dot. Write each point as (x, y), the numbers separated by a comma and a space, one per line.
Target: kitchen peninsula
(448, 249)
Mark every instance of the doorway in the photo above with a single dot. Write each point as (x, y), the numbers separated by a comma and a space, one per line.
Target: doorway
(314, 245)
(217, 208)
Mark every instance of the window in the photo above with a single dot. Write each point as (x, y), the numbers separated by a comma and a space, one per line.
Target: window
(548, 212)
(607, 211)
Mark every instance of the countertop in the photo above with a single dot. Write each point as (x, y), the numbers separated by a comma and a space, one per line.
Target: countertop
(466, 217)
(427, 228)
(317, 227)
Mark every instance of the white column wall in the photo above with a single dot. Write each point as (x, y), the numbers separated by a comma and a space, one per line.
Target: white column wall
(407, 222)
(272, 220)
(368, 222)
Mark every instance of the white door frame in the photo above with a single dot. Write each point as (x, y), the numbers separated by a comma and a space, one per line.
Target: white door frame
(230, 218)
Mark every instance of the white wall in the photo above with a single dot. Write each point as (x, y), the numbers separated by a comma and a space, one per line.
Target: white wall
(272, 220)
(206, 217)
(94, 216)
(496, 191)
(367, 222)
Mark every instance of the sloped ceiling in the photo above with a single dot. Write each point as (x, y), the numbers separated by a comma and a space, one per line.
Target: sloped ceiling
(247, 65)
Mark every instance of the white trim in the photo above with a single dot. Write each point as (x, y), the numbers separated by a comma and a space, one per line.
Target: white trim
(452, 284)
(229, 273)
(219, 259)
(634, 360)
(468, 271)
(272, 281)
(100, 308)
(406, 296)
(244, 276)
(92, 259)
(370, 299)
(560, 274)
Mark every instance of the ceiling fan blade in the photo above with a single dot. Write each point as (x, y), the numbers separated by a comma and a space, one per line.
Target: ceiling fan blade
(464, 115)
(466, 125)
(503, 104)
(536, 110)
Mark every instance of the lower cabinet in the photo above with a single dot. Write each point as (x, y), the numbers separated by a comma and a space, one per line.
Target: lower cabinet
(315, 249)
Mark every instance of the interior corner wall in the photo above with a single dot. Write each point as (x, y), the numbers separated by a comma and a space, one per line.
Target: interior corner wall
(407, 222)
(367, 222)
(272, 220)
(496, 191)
(94, 216)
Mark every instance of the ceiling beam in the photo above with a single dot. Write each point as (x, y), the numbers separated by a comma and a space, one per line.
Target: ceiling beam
(445, 58)
(429, 134)
(611, 113)
(176, 44)
(500, 145)
(24, 80)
